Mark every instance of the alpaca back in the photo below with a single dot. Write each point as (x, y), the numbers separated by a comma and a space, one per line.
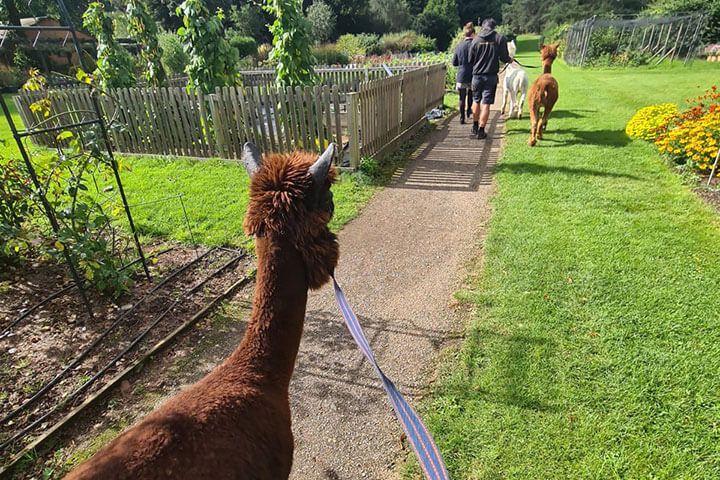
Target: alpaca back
(544, 92)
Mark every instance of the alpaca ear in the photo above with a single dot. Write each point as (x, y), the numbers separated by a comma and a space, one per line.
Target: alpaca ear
(251, 158)
(319, 170)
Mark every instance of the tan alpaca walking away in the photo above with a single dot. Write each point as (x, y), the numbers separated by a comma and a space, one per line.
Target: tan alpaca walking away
(543, 94)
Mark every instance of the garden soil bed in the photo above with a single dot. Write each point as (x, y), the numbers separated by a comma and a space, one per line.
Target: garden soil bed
(710, 195)
(41, 346)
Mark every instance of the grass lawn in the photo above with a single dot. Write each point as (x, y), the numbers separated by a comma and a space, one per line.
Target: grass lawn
(594, 345)
(215, 194)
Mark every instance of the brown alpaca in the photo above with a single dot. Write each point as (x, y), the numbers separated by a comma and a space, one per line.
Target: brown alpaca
(543, 93)
(235, 422)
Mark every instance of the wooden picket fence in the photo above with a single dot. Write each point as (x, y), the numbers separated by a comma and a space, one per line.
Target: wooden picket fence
(175, 121)
(348, 78)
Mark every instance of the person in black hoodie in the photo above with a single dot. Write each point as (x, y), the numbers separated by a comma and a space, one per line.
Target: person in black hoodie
(461, 60)
(486, 51)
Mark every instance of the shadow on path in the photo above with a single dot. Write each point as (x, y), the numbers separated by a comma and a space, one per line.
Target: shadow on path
(451, 160)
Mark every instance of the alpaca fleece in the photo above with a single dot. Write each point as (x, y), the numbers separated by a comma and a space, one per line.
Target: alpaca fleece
(543, 94)
(235, 423)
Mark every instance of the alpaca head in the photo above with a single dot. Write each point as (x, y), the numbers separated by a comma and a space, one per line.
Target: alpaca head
(290, 199)
(512, 48)
(549, 53)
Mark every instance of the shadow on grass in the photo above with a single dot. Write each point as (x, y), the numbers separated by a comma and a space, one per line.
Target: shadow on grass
(533, 168)
(570, 113)
(520, 355)
(603, 138)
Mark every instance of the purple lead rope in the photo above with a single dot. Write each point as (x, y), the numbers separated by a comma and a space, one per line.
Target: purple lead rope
(417, 433)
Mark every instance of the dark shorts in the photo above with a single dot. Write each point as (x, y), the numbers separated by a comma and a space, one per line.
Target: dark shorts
(483, 87)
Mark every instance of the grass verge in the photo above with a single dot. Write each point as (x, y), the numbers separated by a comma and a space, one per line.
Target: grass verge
(594, 347)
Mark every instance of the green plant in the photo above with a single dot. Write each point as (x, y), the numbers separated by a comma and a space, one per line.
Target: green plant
(291, 43)
(435, 26)
(114, 64)
(85, 229)
(174, 58)
(143, 29)
(370, 167)
(263, 52)
(322, 21)
(212, 59)
(360, 44)
(329, 54)
(16, 207)
(407, 41)
(249, 20)
(246, 46)
(506, 31)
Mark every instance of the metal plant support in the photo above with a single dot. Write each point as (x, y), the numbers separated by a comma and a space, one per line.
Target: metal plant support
(100, 122)
(663, 38)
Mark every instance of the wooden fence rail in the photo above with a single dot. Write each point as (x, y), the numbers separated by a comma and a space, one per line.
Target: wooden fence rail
(175, 121)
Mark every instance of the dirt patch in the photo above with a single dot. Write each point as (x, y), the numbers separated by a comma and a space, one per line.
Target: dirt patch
(711, 194)
(59, 340)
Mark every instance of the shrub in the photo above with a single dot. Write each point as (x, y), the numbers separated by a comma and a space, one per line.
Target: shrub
(11, 78)
(435, 26)
(649, 122)
(15, 208)
(359, 45)
(322, 21)
(246, 46)
(693, 136)
(407, 41)
(174, 58)
(263, 52)
(329, 54)
(506, 31)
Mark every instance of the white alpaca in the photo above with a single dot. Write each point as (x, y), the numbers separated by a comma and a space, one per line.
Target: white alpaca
(515, 84)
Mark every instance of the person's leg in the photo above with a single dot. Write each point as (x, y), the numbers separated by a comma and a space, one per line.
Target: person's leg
(477, 98)
(469, 102)
(463, 92)
(487, 99)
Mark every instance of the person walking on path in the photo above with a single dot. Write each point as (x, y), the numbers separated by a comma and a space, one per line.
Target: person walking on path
(461, 60)
(486, 51)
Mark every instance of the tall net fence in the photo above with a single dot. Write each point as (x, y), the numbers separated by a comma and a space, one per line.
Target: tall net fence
(634, 41)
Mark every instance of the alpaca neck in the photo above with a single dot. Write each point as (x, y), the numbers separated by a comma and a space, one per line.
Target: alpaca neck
(547, 67)
(267, 353)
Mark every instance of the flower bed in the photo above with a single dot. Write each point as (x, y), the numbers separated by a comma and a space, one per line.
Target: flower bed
(690, 137)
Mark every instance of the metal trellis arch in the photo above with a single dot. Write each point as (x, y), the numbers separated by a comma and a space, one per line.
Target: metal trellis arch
(99, 121)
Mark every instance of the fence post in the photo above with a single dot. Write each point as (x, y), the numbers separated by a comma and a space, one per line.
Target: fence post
(353, 130)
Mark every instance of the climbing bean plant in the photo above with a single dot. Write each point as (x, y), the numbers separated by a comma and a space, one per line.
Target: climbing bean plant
(212, 60)
(291, 43)
(143, 29)
(114, 63)
(72, 181)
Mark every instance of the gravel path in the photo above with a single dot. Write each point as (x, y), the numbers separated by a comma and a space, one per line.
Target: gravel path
(400, 262)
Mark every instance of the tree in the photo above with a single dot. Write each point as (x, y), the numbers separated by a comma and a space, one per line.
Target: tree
(212, 59)
(353, 16)
(251, 21)
(472, 10)
(114, 63)
(439, 20)
(436, 26)
(392, 15)
(415, 7)
(291, 43)
(322, 21)
(143, 30)
(711, 8)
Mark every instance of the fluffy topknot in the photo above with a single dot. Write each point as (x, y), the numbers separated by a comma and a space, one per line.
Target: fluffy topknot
(282, 205)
